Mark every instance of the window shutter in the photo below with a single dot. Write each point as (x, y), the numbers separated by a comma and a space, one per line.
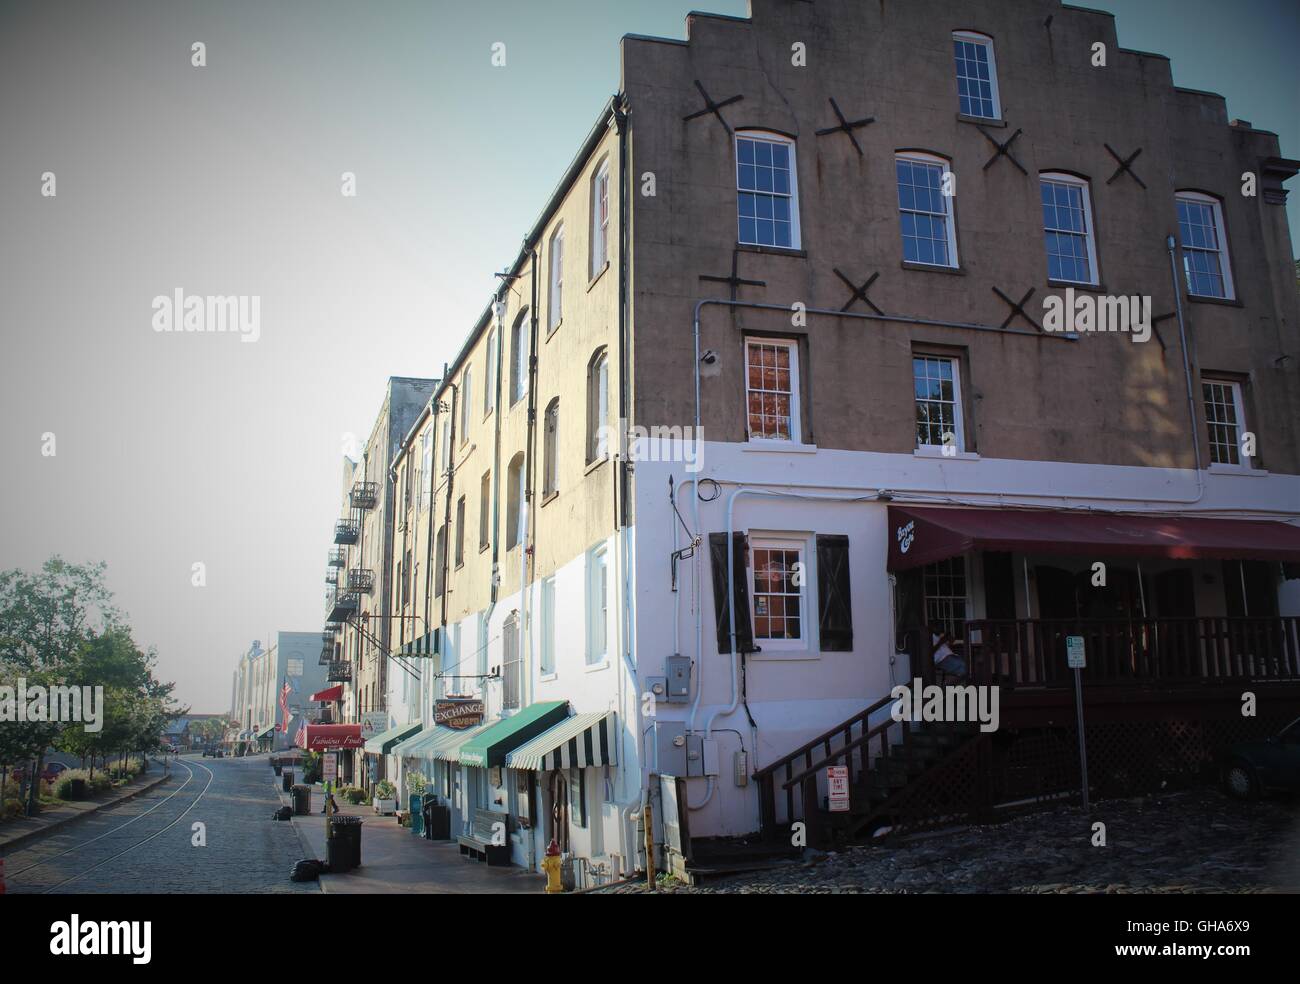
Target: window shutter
(834, 599)
(744, 627)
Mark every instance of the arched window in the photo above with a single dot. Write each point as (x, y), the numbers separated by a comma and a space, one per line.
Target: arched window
(977, 75)
(599, 437)
(515, 506)
(550, 448)
(767, 190)
(599, 220)
(555, 302)
(519, 345)
(1205, 245)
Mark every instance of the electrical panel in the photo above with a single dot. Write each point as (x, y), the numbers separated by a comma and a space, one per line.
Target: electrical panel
(679, 679)
(710, 753)
(670, 746)
(658, 688)
(694, 755)
(741, 762)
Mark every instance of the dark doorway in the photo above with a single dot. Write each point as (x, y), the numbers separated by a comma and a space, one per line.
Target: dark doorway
(1175, 594)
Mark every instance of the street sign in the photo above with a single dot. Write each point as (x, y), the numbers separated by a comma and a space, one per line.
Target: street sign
(837, 788)
(1075, 655)
(1077, 658)
(330, 767)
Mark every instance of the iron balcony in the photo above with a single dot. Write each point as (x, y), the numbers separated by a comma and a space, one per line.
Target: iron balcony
(364, 495)
(360, 579)
(343, 606)
(331, 575)
(340, 671)
(346, 531)
(338, 557)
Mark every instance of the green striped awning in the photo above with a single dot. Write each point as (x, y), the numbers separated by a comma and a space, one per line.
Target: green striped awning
(382, 743)
(489, 748)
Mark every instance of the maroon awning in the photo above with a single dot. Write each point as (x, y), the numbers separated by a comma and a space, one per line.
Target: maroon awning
(922, 535)
(327, 737)
(329, 693)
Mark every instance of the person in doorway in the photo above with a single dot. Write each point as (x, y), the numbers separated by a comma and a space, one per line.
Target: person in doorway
(945, 659)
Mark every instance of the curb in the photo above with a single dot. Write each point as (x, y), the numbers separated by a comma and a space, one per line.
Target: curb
(57, 825)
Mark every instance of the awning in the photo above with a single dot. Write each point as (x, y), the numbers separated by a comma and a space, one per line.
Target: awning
(922, 535)
(382, 743)
(423, 646)
(327, 737)
(579, 741)
(329, 693)
(489, 748)
(265, 734)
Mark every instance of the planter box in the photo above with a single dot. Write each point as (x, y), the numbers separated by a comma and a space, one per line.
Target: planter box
(385, 806)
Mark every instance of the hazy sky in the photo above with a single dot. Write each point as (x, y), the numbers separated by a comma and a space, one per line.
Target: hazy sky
(180, 448)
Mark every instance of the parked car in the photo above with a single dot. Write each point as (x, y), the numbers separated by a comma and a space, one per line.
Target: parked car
(1254, 768)
(48, 774)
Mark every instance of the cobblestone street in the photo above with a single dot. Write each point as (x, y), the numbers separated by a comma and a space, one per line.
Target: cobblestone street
(1198, 841)
(145, 845)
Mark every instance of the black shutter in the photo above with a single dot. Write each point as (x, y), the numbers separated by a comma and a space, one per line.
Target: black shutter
(834, 599)
(744, 627)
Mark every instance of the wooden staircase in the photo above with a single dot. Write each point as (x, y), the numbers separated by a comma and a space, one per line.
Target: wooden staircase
(901, 774)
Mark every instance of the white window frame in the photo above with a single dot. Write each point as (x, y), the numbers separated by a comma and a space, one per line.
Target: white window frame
(599, 249)
(1090, 232)
(598, 408)
(426, 469)
(551, 449)
(1243, 463)
(766, 136)
(1221, 231)
(481, 654)
(807, 641)
(547, 606)
(796, 423)
(597, 604)
(490, 382)
(959, 422)
(467, 396)
(555, 298)
(520, 344)
(986, 42)
(950, 217)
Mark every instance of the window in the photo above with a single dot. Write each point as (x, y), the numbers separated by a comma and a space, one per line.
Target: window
(597, 604)
(481, 653)
(515, 507)
(937, 386)
(772, 389)
(519, 342)
(1067, 229)
(555, 302)
(767, 190)
(490, 381)
(510, 661)
(444, 445)
(599, 220)
(550, 448)
(977, 75)
(466, 400)
(460, 531)
(778, 593)
(1205, 247)
(597, 407)
(945, 595)
(440, 559)
(548, 625)
(426, 469)
(925, 212)
(484, 510)
(1226, 419)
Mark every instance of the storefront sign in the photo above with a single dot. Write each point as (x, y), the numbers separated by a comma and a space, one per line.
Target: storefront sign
(458, 714)
(837, 788)
(373, 723)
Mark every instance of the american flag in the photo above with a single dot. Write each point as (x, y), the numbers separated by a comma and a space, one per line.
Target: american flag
(300, 739)
(284, 707)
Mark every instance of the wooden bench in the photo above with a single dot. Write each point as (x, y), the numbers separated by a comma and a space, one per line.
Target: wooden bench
(478, 843)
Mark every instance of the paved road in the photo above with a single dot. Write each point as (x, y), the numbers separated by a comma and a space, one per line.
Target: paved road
(146, 844)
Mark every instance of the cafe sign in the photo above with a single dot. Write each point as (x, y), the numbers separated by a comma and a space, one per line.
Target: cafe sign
(458, 714)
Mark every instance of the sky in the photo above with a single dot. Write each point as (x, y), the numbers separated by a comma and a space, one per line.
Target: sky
(173, 449)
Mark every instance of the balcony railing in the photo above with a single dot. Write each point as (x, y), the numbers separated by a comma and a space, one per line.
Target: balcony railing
(326, 655)
(320, 715)
(1031, 653)
(347, 531)
(331, 575)
(338, 557)
(340, 671)
(360, 579)
(342, 607)
(364, 495)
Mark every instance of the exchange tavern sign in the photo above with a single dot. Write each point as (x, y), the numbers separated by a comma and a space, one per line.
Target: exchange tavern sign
(458, 714)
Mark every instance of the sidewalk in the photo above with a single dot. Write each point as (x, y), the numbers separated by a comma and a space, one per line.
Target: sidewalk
(23, 830)
(395, 861)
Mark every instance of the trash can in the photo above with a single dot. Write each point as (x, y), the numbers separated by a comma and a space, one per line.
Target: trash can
(279, 769)
(343, 851)
(437, 819)
(301, 800)
(417, 815)
(286, 777)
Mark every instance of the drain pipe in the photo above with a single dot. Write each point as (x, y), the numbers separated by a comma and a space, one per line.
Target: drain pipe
(1187, 368)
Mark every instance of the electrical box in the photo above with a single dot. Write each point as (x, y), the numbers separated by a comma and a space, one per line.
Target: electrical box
(694, 755)
(710, 750)
(658, 688)
(741, 762)
(679, 679)
(670, 746)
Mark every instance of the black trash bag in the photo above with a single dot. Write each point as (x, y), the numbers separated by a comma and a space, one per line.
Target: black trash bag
(284, 813)
(308, 869)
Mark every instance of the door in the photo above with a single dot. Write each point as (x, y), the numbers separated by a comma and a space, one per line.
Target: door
(558, 817)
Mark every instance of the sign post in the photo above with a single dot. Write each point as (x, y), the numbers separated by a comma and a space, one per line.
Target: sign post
(1076, 657)
(837, 788)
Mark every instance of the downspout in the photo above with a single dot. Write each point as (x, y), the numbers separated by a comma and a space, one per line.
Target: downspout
(499, 309)
(528, 532)
(446, 522)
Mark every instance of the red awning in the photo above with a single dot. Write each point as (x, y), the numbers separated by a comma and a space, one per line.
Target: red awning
(327, 737)
(923, 535)
(329, 693)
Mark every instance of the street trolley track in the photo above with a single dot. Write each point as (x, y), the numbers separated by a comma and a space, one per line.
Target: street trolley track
(192, 777)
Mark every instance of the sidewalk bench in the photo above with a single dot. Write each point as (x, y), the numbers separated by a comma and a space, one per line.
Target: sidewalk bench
(478, 844)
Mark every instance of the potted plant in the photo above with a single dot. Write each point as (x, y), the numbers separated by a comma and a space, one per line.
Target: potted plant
(416, 783)
(385, 800)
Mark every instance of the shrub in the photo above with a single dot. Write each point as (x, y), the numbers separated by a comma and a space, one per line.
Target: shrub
(416, 783)
(352, 794)
(385, 790)
(63, 784)
(12, 807)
